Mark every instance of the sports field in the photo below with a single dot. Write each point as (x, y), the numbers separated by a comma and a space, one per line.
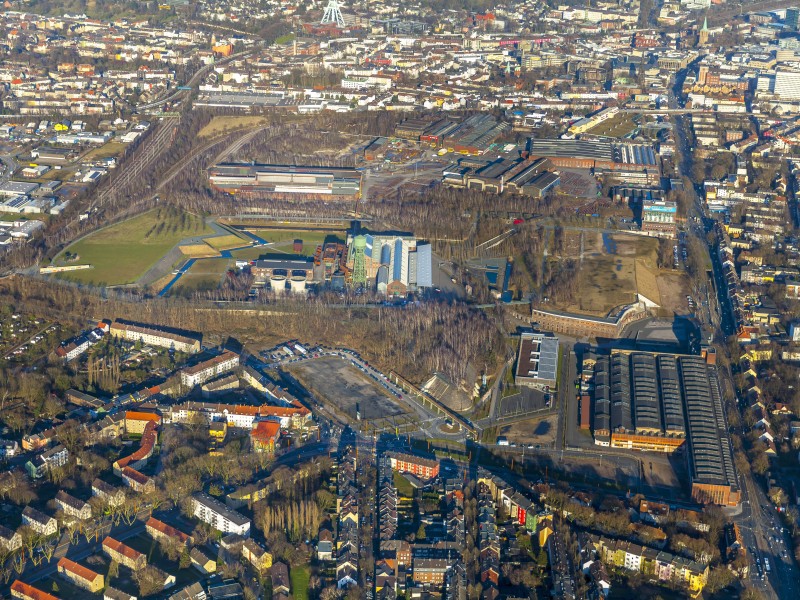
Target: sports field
(121, 253)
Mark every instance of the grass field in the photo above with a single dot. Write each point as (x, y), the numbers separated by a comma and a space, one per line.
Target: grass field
(403, 486)
(226, 242)
(201, 250)
(203, 275)
(8, 217)
(121, 253)
(300, 577)
(64, 174)
(254, 253)
(105, 151)
(221, 124)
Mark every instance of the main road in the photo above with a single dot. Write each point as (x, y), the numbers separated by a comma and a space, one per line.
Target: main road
(764, 539)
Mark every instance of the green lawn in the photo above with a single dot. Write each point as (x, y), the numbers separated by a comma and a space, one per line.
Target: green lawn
(205, 274)
(123, 252)
(14, 217)
(105, 151)
(403, 486)
(300, 577)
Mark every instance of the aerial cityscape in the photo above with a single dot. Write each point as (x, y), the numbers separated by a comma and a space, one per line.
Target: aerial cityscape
(435, 300)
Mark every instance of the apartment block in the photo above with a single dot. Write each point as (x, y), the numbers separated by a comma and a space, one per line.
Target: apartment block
(220, 517)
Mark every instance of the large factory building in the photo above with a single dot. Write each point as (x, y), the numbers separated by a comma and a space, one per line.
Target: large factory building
(663, 403)
(396, 263)
(312, 182)
(628, 162)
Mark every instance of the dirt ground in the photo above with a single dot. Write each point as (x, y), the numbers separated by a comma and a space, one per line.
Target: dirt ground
(673, 288)
(533, 431)
(614, 268)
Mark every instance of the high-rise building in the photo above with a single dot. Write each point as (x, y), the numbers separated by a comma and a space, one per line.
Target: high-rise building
(792, 17)
(787, 85)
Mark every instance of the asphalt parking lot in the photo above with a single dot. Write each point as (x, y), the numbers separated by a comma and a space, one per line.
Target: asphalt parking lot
(526, 401)
(335, 380)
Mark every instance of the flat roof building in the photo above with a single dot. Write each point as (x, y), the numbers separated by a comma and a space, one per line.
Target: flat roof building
(220, 517)
(292, 180)
(537, 362)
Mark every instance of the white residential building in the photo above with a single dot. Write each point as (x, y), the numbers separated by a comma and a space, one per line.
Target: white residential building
(220, 517)
(202, 372)
(39, 522)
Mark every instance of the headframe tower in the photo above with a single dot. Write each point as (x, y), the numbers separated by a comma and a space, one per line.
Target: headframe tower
(333, 14)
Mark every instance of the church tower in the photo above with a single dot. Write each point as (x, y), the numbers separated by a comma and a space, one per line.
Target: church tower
(702, 38)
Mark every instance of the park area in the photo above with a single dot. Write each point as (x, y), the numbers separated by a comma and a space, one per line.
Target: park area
(121, 253)
(342, 386)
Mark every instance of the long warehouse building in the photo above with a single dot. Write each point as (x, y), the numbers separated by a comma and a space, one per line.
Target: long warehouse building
(290, 180)
(664, 403)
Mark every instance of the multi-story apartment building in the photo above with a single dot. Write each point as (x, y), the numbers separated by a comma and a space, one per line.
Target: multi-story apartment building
(139, 457)
(188, 342)
(424, 468)
(239, 415)
(124, 555)
(136, 421)
(208, 369)
(38, 521)
(431, 571)
(80, 575)
(10, 540)
(39, 466)
(137, 481)
(659, 565)
(113, 496)
(256, 555)
(23, 591)
(8, 448)
(220, 517)
(159, 530)
(72, 506)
